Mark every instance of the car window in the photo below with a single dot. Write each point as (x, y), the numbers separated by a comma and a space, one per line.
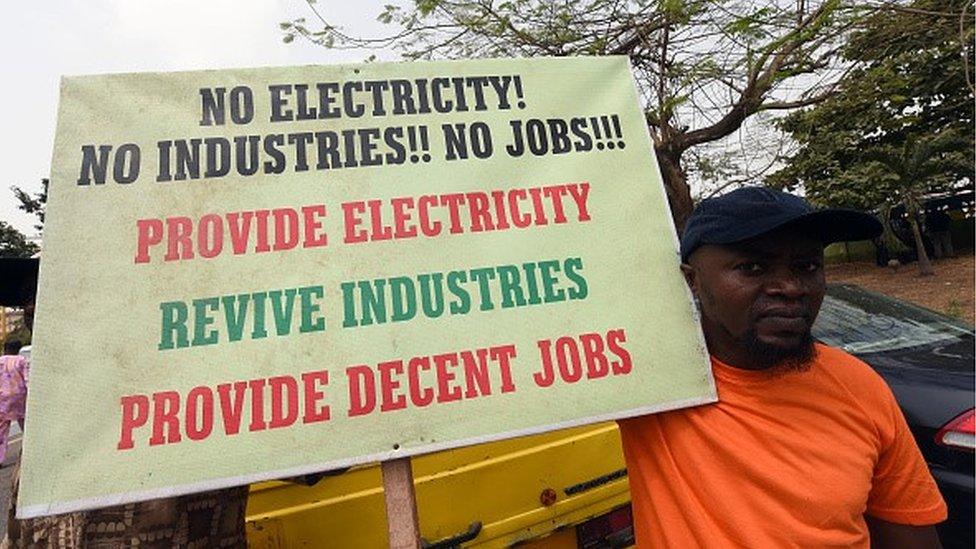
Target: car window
(859, 321)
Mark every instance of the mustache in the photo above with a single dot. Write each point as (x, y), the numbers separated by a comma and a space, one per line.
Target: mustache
(796, 310)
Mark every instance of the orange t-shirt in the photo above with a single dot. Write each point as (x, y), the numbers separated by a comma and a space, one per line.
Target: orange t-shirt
(794, 459)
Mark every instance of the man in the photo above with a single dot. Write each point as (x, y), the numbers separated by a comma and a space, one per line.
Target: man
(806, 446)
(939, 226)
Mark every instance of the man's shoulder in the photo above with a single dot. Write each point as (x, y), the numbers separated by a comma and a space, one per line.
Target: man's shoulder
(840, 362)
(853, 373)
(12, 360)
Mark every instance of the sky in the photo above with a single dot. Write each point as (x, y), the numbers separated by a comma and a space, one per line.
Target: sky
(42, 41)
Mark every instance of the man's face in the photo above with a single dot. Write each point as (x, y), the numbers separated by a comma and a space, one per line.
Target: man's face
(759, 298)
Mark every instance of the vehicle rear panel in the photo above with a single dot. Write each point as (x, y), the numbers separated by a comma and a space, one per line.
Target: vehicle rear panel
(499, 485)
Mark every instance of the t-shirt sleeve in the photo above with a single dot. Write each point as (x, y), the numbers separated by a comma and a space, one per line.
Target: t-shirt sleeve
(903, 491)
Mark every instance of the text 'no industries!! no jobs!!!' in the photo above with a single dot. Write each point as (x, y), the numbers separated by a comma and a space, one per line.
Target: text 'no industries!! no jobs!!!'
(275, 154)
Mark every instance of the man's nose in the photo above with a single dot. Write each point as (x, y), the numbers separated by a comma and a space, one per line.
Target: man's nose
(786, 283)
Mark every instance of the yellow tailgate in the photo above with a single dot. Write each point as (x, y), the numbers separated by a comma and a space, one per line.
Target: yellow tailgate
(499, 485)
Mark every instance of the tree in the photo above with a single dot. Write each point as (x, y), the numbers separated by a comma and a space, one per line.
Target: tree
(901, 125)
(919, 164)
(704, 66)
(12, 242)
(15, 244)
(33, 204)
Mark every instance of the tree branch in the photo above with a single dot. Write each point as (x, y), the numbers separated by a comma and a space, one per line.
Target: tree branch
(761, 79)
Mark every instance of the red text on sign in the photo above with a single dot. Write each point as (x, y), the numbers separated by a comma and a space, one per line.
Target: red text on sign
(590, 356)
(170, 415)
(183, 238)
(423, 380)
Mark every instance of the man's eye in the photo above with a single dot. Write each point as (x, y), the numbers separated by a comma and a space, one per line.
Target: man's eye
(750, 267)
(809, 266)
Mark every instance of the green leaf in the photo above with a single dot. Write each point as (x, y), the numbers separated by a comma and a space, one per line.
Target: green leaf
(426, 7)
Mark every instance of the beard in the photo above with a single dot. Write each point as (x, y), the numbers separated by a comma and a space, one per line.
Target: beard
(777, 359)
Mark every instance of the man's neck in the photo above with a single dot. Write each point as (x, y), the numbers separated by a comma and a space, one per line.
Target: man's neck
(740, 361)
(726, 350)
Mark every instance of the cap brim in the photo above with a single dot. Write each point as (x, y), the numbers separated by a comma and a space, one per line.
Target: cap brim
(838, 225)
(827, 226)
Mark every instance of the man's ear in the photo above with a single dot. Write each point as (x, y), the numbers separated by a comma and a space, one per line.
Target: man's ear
(690, 277)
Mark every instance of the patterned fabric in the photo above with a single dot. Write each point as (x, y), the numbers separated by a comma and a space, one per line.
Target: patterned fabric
(13, 387)
(13, 395)
(4, 433)
(208, 519)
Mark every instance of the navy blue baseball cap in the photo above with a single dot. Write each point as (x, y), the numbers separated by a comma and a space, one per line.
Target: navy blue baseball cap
(753, 211)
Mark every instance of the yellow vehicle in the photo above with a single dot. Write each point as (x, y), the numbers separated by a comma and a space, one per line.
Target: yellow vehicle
(561, 489)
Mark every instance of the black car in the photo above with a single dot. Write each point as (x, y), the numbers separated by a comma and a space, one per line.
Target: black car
(928, 361)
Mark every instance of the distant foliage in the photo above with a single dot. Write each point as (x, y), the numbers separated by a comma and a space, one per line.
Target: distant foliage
(33, 204)
(703, 67)
(902, 124)
(15, 244)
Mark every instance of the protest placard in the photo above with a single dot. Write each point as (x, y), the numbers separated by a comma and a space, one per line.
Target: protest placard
(254, 274)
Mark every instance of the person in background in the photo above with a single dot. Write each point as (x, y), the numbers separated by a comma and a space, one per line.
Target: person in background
(938, 225)
(13, 391)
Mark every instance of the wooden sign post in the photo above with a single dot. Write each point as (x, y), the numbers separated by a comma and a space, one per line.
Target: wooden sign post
(401, 504)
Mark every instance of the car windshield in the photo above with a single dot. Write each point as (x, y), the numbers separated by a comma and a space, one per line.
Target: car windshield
(859, 321)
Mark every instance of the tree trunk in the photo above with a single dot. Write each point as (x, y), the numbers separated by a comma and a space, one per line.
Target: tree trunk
(924, 265)
(676, 187)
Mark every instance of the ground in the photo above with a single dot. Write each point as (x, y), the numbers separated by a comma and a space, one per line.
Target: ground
(950, 291)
